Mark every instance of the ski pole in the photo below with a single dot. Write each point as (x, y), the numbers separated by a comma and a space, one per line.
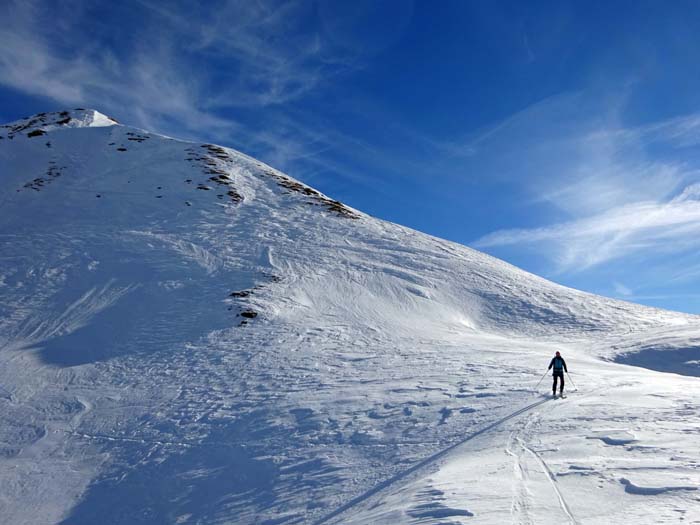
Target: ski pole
(572, 381)
(541, 379)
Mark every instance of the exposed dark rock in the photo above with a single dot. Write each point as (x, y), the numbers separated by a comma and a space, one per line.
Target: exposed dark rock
(293, 186)
(212, 166)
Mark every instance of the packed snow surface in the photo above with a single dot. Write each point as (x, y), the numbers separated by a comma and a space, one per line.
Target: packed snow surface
(190, 336)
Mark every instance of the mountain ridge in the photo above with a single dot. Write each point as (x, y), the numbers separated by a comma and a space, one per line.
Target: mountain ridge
(208, 156)
(181, 317)
(38, 124)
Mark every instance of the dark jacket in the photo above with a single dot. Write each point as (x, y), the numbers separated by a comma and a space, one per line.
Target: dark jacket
(558, 363)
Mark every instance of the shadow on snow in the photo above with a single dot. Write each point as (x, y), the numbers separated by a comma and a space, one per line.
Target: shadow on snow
(683, 361)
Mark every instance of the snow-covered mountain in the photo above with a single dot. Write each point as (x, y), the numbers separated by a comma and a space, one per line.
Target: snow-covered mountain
(189, 336)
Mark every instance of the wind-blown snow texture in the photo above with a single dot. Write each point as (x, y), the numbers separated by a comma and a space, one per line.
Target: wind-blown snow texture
(189, 336)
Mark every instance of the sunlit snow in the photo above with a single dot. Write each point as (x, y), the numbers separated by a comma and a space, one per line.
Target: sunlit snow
(190, 336)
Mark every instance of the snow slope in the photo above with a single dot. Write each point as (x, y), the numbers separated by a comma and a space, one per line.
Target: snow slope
(190, 336)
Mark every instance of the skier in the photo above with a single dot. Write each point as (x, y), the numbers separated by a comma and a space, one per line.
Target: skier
(559, 366)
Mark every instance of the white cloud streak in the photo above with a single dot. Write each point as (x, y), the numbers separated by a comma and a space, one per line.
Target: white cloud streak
(171, 67)
(199, 71)
(604, 192)
(148, 84)
(669, 227)
(267, 54)
(622, 290)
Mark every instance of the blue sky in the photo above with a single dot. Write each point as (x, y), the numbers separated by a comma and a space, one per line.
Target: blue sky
(560, 136)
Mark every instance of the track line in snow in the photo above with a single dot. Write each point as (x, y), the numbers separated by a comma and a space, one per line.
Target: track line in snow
(552, 480)
(424, 463)
(520, 505)
(105, 437)
(5, 393)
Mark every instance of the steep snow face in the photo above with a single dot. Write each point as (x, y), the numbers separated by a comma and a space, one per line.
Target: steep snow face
(188, 335)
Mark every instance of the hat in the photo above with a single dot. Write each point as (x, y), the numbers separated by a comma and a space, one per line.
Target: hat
(558, 354)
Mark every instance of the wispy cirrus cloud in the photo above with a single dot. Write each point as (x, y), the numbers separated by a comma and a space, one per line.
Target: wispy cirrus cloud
(27, 63)
(45, 58)
(267, 52)
(231, 71)
(619, 232)
(622, 290)
(171, 66)
(615, 193)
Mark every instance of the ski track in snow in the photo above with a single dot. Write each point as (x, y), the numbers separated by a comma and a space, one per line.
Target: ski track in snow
(428, 462)
(520, 509)
(189, 336)
(550, 476)
(518, 442)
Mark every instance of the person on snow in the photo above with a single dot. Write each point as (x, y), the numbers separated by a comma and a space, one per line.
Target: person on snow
(559, 366)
